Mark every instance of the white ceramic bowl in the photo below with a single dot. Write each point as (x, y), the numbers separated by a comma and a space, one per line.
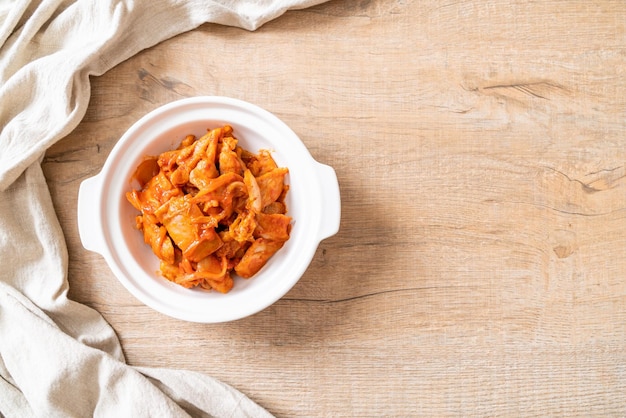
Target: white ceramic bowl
(106, 219)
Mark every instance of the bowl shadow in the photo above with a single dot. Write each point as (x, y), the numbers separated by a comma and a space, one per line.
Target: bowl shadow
(350, 269)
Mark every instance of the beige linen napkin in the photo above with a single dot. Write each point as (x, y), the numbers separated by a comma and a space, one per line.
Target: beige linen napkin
(59, 358)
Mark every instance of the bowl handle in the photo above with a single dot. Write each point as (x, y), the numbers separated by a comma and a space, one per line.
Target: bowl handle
(89, 220)
(330, 200)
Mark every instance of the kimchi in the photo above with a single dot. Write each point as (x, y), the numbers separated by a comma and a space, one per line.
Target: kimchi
(211, 209)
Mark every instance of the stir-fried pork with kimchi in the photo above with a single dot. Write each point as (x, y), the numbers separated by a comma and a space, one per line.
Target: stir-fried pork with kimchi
(211, 208)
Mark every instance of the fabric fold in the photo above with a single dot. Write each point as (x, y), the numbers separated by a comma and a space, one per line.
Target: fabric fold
(60, 377)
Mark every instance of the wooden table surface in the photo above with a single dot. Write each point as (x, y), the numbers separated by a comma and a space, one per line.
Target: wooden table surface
(480, 267)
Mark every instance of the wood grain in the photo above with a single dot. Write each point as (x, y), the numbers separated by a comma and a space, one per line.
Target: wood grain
(480, 266)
